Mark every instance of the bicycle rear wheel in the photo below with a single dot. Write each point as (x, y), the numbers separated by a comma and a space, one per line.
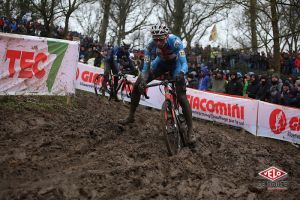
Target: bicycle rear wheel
(98, 87)
(170, 128)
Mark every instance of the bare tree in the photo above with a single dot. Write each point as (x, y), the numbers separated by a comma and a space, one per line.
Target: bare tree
(253, 18)
(289, 25)
(129, 16)
(89, 18)
(8, 6)
(47, 9)
(68, 7)
(276, 34)
(105, 6)
(191, 18)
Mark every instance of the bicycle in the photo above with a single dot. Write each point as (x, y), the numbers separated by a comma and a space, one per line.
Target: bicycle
(124, 84)
(173, 122)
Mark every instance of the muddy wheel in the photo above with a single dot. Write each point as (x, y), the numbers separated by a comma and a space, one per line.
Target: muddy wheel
(98, 87)
(170, 128)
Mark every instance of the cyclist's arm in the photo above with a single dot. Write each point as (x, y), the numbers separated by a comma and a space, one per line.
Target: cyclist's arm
(147, 57)
(178, 46)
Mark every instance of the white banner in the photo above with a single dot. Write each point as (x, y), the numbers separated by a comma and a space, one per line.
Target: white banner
(279, 122)
(86, 75)
(34, 65)
(229, 110)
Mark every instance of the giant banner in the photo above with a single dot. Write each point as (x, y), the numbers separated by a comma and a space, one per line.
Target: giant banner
(86, 75)
(279, 122)
(239, 112)
(34, 65)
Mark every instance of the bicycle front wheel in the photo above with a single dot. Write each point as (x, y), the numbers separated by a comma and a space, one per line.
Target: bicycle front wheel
(170, 128)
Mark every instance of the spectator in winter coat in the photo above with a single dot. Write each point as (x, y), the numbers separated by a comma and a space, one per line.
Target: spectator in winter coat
(275, 89)
(295, 101)
(204, 81)
(98, 59)
(193, 81)
(263, 90)
(253, 86)
(2, 22)
(287, 94)
(218, 83)
(234, 86)
(297, 64)
(246, 84)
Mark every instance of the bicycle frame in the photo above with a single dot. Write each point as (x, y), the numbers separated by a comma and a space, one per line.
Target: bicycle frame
(124, 84)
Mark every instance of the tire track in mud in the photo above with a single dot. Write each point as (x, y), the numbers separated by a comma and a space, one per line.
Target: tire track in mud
(80, 152)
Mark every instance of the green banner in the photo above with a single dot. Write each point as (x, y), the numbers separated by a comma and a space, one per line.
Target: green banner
(59, 49)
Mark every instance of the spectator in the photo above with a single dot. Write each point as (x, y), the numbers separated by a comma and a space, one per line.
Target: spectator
(218, 82)
(234, 86)
(275, 89)
(98, 59)
(82, 53)
(192, 79)
(246, 84)
(204, 81)
(1, 23)
(263, 89)
(295, 102)
(287, 94)
(13, 26)
(297, 64)
(253, 86)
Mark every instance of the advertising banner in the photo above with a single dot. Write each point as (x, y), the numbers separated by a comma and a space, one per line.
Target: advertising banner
(86, 75)
(229, 110)
(279, 122)
(34, 65)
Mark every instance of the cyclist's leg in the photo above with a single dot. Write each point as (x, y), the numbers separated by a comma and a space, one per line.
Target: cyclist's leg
(184, 103)
(156, 70)
(115, 71)
(106, 78)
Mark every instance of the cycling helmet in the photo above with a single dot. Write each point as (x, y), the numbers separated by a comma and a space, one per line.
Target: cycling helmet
(125, 43)
(159, 30)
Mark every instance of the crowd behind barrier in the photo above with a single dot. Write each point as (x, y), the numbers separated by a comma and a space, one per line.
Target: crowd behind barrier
(216, 69)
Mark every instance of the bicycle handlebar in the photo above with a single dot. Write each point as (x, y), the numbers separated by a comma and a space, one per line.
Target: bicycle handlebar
(165, 83)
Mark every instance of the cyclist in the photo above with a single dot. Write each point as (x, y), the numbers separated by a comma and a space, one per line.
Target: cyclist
(117, 60)
(170, 57)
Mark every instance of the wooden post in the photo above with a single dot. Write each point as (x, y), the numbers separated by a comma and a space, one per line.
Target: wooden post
(68, 100)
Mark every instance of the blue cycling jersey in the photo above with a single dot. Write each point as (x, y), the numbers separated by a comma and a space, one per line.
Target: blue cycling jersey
(173, 52)
(117, 56)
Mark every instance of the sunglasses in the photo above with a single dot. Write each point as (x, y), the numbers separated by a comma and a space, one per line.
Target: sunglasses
(159, 38)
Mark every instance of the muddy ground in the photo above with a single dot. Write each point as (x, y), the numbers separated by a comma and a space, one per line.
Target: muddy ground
(49, 150)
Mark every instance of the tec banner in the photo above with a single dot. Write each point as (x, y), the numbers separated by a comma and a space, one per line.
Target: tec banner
(224, 109)
(34, 65)
(279, 122)
(86, 75)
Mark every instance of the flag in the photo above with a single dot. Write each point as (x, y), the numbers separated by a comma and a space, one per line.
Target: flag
(213, 35)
